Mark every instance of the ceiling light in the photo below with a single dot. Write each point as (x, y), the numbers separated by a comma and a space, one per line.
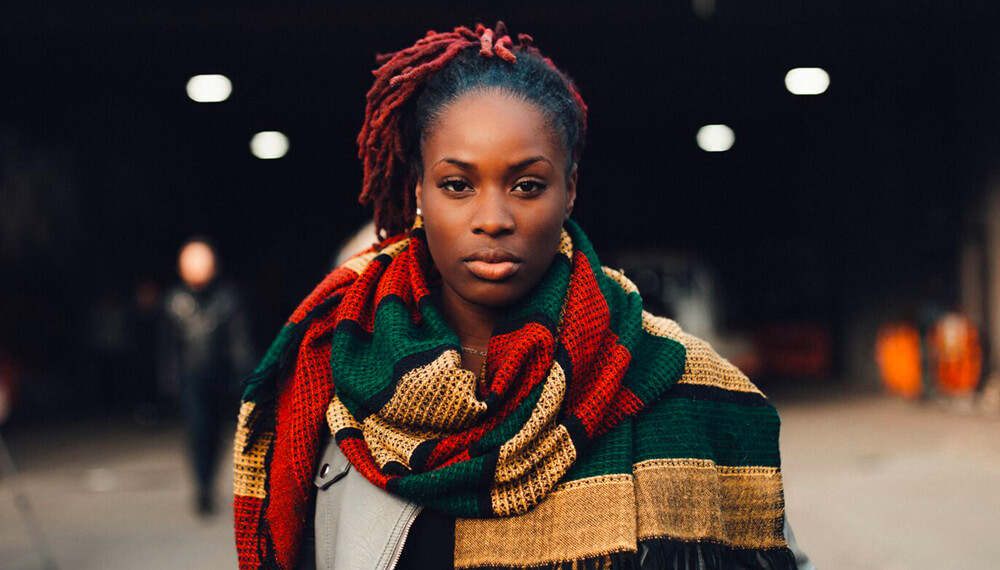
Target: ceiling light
(715, 138)
(269, 144)
(807, 80)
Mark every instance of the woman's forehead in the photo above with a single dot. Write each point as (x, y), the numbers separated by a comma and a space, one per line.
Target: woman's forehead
(492, 123)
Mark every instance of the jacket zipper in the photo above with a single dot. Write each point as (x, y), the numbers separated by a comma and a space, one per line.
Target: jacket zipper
(402, 540)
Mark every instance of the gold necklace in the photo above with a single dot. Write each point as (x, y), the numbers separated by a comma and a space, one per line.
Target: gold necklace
(482, 367)
(475, 351)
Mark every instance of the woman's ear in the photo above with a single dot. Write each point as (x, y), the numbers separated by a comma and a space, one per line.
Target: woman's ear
(570, 191)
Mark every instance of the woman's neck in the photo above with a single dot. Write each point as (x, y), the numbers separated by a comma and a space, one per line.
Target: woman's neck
(472, 323)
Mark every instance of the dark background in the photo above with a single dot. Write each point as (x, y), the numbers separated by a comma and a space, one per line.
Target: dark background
(827, 209)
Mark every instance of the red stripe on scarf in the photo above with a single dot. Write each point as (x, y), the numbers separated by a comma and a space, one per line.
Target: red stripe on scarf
(246, 513)
(599, 361)
(405, 275)
(358, 302)
(300, 417)
(357, 452)
(396, 280)
(420, 269)
(336, 279)
(624, 404)
(402, 276)
(529, 349)
(463, 456)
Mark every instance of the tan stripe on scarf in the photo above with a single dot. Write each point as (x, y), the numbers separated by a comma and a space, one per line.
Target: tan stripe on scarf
(695, 499)
(581, 519)
(249, 473)
(702, 365)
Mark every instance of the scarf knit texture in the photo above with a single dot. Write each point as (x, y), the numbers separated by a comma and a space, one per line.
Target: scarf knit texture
(597, 428)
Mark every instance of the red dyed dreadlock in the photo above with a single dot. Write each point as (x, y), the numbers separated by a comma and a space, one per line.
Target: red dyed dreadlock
(388, 180)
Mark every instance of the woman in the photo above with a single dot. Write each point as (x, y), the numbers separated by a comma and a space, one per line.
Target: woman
(492, 396)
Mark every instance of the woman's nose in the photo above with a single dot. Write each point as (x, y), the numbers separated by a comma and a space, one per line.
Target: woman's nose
(493, 216)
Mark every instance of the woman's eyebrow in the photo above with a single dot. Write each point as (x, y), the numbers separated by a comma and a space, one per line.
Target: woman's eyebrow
(528, 162)
(459, 163)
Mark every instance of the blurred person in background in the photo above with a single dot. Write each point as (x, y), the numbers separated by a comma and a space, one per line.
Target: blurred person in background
(476, 390)
(205, 349)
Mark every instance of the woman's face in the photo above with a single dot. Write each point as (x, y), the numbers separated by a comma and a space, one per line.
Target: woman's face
(494, 196)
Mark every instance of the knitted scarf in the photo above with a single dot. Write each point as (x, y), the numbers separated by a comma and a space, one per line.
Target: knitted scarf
(598, 432)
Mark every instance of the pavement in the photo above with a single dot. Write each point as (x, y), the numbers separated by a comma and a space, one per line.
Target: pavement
(881, 484)
(871, 483)
(111, 496)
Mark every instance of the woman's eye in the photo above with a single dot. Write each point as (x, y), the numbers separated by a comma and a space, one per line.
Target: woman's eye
(456, 186)
(529, 186)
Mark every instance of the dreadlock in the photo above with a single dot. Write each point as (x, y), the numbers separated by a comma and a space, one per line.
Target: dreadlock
(412, 87)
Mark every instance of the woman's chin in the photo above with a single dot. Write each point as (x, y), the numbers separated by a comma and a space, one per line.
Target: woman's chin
(492, 294)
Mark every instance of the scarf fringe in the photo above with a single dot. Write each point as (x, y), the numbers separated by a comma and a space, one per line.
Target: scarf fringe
(669, 554)
(615, 561)
(665, 553)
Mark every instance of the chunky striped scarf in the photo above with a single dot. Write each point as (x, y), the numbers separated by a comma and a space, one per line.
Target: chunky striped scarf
(598, 434)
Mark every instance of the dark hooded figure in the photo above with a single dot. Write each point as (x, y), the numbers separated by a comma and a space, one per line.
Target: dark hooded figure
(205, 350)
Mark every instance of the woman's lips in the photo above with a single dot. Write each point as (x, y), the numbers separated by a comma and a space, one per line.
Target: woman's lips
(493, 264)
(498, 271)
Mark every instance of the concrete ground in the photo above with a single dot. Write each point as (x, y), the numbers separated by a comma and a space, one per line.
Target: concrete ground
(871, 483)
(110, 497)
(880, 484)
